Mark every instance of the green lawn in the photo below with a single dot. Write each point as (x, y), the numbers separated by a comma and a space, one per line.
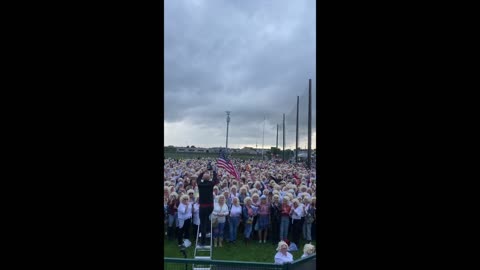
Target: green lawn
(254, 252)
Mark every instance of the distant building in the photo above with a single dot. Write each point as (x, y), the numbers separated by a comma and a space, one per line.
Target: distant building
(191, 150)
(303, 154)
(244, 150)
(248, 150)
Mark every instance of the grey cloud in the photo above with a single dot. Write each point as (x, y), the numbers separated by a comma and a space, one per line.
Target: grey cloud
(250, 57)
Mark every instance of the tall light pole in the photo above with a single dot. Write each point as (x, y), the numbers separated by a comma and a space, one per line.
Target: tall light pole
(283, 137)
(277, 137)
(296, 144)
(263, 135)
(228, 121)
(309, 151)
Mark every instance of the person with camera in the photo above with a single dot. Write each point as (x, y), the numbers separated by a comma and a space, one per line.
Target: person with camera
(205, 185)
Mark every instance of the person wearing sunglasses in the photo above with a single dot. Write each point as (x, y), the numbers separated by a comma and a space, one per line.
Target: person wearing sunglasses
(184, 219)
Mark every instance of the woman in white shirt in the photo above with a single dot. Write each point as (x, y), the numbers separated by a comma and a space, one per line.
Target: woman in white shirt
(184, 218)
(196, 216)
(216, 193)
(296, 213)
(233, 192)
(220, 211)
(234, 219)
(283, 256)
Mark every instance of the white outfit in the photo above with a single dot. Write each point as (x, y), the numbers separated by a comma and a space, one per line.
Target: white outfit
(220, 212)
(303, 212)
(281, 259)
(297, 212)
(184, 212)
(196, 214)
(236, 211)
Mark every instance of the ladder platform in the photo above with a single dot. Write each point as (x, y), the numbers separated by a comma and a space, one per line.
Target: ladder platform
(203, 257)
(204, 250)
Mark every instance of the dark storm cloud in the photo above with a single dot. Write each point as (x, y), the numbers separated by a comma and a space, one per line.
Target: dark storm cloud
(249, 57)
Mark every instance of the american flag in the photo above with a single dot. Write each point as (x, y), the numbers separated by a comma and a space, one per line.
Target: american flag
(224, 162)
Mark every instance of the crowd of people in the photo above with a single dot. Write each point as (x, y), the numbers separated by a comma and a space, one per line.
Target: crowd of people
(271, 202)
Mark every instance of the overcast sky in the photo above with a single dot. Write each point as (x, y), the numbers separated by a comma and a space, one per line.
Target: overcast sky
(250, 57)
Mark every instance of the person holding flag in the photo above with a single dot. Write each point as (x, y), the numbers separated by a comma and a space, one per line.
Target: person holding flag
(205, 189)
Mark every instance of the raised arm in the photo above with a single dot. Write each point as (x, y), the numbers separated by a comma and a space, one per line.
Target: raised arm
(200, 175)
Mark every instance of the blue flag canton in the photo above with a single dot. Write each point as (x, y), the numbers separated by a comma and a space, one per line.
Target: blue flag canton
(224, 155)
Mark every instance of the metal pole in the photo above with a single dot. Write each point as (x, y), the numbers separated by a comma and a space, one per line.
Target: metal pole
(263, 135)
(296, 145)
(309, 153)
(283, 137)
(228, 121)
(277, 136)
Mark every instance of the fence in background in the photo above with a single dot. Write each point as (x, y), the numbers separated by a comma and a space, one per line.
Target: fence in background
(308, 263)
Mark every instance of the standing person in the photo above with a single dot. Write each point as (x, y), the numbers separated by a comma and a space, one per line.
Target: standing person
(255, 205)
(315, 220)
(296, 212)
(263, 219)
(233, 191)
(275, 215)
(172, 207)
(191, 195)
(205, 190)
(165, 213)
(191, 200)
(283, 256)
(248, 214)
(309, 217)
(234, 219)
(285, 218)
(220, 211)
(196, 217)
(242, 195)
(228, 202)
(216, 193)
(184, 218)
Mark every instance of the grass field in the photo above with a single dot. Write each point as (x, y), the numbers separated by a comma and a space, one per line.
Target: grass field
(253, 252)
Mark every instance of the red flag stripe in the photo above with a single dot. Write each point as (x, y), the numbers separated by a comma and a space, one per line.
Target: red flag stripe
(228, 167)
